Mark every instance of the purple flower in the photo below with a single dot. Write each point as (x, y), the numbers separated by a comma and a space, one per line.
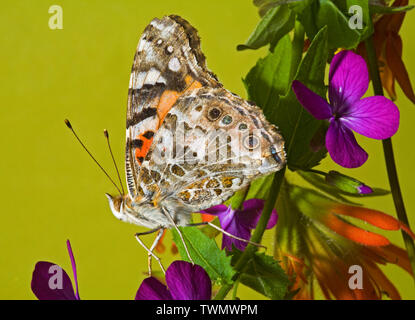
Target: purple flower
(184, 282)
(51, 282)
(240, 222)
(375, 117)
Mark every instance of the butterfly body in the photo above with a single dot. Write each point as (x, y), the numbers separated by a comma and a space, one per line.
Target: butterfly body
(191, 144)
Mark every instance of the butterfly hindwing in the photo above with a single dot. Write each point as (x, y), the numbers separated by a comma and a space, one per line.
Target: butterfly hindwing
(211, 144)
(168, 63)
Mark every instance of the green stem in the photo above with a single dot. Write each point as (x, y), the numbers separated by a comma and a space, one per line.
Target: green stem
(258, 233)
(235, 290)
(389, 157)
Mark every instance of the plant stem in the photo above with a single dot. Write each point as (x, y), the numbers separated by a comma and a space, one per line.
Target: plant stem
(258, 233)
(235, 290)
(389, 156)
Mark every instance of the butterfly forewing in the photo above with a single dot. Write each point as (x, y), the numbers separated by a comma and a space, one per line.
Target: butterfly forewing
(167, 64)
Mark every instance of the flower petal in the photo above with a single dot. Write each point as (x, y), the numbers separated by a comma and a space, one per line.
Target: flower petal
(152, 289)
(343, 147)
(224, 213)
(364, 189)
(73, 263)
(188, 282)
(374, 217)
(393, 51)
(354, 233)
(312, 102)
(349, 80)
(252, 210)
(374, 117)
(238, 229)
(243, 221)
(215, 210)
(51, 282)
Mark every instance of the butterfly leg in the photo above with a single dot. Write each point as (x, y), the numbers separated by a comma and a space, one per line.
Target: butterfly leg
(156, 241)
(179, 232)
(226, 233)
(150, 251)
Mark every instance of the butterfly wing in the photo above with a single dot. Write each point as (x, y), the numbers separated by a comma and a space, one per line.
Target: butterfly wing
(211, 144)
(168, 63)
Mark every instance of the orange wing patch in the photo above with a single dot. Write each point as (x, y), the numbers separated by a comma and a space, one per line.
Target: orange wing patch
(166, 102)
(141, 152)
(169, 98)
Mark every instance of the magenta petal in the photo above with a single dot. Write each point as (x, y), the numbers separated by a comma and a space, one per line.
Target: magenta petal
(75, 274)
(188, 282)
(273, 219)
(374, 117)
(343, 147)
(215, 210)
(152, 289)
(226, 218)
(51, 282)
(364, 189)
(239, 227)
(252, 210)
(253, 204)
(348, 80)
(312, 102)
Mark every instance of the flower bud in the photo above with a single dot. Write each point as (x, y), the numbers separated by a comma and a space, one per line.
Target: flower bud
(346, 183)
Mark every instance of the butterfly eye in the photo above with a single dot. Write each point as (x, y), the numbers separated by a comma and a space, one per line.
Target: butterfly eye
(251, 142)
(214, 113)
(227, 119)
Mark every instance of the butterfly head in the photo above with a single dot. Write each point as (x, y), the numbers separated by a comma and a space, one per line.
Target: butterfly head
(117, 205)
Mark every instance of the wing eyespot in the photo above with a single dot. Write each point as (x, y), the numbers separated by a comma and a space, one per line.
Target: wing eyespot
(243, 126)
(251, 142)
(214, 113)
(226, 120)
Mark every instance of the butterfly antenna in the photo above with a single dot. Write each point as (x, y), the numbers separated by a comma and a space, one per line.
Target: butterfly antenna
(68, 124)
(112, 156)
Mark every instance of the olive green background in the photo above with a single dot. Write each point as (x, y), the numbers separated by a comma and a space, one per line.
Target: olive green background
(51, 191)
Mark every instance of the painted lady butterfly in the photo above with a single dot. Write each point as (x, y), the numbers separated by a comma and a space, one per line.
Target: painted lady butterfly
(191, 144)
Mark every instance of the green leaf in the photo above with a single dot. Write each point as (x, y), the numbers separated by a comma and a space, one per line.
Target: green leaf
(297, 125)
(270, 77)
(276, 23)
(306, 12)
(340, 35)
(315, 14)
(368, 28)
(377, 8)
(264, 274)
(205, 252)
